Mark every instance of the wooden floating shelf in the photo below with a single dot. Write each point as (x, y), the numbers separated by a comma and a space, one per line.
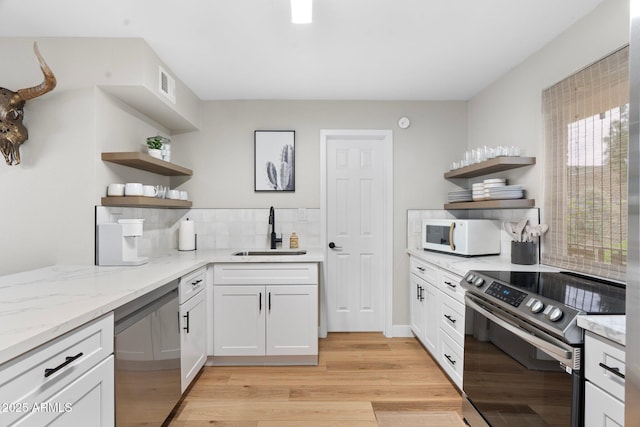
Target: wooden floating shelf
(147, 163)
(145, 202)
(497, 164)
(493, 204)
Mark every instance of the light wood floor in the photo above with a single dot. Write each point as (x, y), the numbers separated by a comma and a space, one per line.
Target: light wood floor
(357, 375)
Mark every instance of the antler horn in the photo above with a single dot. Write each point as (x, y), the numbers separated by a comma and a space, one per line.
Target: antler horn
(46, 86)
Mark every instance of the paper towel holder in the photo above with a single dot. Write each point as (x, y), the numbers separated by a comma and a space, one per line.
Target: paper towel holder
(186, 242)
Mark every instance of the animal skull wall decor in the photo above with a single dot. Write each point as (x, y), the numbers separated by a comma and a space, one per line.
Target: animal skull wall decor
(12, 132)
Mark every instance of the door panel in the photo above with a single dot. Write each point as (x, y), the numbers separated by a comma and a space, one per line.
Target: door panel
(292, 319)
(238, 320)
(355, 206)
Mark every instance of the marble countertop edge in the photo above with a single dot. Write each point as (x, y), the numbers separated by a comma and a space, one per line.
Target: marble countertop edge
(39, 305)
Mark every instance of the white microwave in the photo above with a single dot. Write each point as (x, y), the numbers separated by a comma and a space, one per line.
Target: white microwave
(466, 237)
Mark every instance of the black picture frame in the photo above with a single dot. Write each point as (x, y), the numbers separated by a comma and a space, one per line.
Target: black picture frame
(274, 160)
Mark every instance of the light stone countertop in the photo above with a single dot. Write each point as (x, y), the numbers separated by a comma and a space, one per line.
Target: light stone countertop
(461, 265)
(39, 305)
(610, 327)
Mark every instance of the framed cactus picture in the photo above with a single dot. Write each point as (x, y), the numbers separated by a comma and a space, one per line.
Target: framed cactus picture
(275, 166)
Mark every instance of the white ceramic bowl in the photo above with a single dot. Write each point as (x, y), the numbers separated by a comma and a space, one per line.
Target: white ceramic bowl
(133, 189)
(115, 190)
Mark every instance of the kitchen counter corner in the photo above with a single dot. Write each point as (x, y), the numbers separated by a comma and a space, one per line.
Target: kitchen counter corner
(610, 327)
(39, 305)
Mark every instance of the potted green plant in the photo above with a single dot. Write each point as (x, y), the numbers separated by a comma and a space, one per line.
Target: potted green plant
(154, 146)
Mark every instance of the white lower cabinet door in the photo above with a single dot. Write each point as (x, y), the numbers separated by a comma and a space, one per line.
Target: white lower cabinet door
(417, 306)
(292, 313)
(193, 345)
(601, 409)
(88, 401)
(239, 320)
(432, 317)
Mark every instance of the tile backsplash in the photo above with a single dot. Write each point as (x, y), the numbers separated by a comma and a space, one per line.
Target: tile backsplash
(415, 217)
(218, 228)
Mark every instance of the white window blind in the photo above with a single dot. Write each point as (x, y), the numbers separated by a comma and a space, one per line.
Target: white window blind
(586, 143)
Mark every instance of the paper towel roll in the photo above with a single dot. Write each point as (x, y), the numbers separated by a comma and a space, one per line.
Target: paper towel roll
(186, 236)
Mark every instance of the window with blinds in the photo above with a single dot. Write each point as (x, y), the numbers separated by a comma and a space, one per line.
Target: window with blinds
(586, 131)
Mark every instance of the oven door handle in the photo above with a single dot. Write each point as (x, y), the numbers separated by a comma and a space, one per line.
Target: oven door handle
(555, 350)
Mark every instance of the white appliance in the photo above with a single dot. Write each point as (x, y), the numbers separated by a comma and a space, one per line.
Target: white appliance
(117, 243)
(466, 237)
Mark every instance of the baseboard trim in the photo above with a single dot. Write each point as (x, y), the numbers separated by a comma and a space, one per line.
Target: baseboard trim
(402, 331)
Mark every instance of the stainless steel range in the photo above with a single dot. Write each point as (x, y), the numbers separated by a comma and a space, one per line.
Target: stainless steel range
(522, 363)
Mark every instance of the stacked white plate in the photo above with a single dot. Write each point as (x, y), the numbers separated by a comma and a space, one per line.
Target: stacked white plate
(459, 196)
(505, 192)
(491, 184)
(477, 192)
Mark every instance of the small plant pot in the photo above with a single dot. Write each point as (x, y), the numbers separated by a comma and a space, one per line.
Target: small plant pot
(524, 253)
(155, 153)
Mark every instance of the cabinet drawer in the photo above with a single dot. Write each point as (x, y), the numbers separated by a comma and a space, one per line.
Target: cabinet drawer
(424, 270)
(449, 284)
(23, 380)
(599, 351)
(451, 358)
(192, 283)
(601, 409)
(452, 319)
(277, 273)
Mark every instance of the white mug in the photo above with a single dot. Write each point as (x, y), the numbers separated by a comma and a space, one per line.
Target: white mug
(184, 195)
(174, 194)
(149, 191)
(115, 190)
(133, 189)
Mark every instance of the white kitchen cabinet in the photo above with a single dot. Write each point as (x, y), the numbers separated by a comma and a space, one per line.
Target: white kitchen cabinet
(193, 319)
(238, 320)
(265, 313)
(438, 315)
(452, 321)
(418, 310)
(66, 382)
(425, 301)
(604, 388)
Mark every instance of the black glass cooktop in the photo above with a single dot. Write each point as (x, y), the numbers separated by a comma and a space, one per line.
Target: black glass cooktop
(591, 296)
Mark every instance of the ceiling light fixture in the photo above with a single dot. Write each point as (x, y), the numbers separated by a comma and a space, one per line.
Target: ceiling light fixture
(301, 11)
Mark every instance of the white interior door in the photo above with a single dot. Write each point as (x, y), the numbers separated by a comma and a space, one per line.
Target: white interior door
(356, 211)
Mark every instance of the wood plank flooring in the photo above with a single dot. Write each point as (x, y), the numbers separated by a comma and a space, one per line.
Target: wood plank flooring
(358, 374)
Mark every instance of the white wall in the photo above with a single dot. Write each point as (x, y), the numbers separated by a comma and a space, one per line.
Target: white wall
(221, 155)
(509, 112)
(47, 208)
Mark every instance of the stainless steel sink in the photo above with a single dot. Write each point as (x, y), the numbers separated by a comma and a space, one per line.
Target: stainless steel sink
(268, 253)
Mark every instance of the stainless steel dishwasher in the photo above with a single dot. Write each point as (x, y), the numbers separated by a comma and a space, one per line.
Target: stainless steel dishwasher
(147, 357)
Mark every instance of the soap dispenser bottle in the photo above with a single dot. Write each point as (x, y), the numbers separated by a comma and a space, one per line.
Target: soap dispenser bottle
(293, 241)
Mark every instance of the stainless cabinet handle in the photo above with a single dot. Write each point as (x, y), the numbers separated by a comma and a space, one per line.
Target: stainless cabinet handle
(453, 362)
(196, 282)
(50, 371)
(614, 371)
(450, 319)
(451, 285)
(269, 301)
(260, 302)
(186, 316)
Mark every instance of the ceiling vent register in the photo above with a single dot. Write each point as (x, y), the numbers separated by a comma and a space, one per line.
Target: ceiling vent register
(167, 86)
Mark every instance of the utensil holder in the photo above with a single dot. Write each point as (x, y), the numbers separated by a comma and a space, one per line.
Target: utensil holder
(524, 253)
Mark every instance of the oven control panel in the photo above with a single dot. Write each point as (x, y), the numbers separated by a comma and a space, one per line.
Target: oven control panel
(506, 293)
